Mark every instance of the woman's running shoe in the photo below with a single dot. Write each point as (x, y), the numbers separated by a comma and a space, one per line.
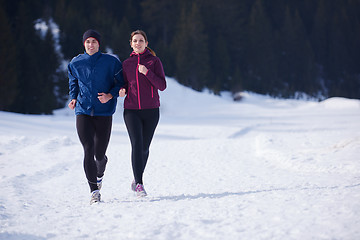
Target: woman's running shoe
(140, 190)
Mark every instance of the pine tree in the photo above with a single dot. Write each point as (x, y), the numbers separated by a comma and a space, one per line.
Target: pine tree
(159, 17)
(320, 34)
(73, 21)
(236, 83)
(191, 49)
(133, 13)
(220, 78)
(119, 40)
(226, 41)
(26, 40)
(36, 93)
(8, 76)
(47, 100)
(260, 51)
(340, 54)
(296, 60)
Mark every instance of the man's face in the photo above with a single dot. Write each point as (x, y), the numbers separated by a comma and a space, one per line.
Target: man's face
(91, 46)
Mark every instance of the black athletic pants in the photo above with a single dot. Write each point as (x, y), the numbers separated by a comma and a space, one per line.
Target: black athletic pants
(141, 125)
(94, 134)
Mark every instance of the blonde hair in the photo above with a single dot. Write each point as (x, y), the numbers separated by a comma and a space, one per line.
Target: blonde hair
(145, 37)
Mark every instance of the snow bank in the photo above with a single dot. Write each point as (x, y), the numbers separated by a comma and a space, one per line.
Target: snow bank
(340, 103)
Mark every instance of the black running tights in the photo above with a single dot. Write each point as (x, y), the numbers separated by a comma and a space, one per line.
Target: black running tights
(141, 125)
(94, 134)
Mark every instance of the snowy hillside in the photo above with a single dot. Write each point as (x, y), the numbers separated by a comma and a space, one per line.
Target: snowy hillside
(262, 168)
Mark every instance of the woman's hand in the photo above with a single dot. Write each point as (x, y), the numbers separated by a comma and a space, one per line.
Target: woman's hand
(104, 97)
(122, 92)
(72, 104)
(142, 69)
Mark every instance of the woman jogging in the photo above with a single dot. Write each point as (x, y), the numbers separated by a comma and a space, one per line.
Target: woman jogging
(144, 76)
(95, 79)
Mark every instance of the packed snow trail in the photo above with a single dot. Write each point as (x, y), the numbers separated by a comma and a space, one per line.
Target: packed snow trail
(257, 169)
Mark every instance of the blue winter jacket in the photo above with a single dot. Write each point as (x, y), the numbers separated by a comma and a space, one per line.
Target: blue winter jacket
(90, 75)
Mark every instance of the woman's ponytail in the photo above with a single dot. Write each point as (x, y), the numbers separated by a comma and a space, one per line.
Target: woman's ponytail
(151, 51)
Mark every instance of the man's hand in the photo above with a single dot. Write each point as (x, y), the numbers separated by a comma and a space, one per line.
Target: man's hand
(72, 104)
(104, 97)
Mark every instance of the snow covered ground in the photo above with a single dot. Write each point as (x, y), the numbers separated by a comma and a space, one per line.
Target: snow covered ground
(262, 168)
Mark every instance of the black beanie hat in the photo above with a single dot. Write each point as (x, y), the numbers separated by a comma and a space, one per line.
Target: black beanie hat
(91, 33)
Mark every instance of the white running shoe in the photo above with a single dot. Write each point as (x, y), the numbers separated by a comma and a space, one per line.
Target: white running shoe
(95, 197)
(99, 182)
(140, 190)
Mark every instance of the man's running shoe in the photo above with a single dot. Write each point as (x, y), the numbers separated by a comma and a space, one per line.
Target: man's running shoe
(95, 197)
(140, 191)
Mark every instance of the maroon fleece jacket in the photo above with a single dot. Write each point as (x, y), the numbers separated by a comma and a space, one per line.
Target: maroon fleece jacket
(142, 90)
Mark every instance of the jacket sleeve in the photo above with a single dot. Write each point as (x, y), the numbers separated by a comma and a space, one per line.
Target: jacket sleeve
(73, 83)
(157, 78)
(118, 80)
(126, 82)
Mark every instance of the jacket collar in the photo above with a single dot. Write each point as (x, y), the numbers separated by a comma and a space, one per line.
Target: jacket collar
(134, 53)
(95, 55)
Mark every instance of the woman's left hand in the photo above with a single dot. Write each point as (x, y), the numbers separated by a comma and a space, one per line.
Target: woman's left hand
(142, 69)
(104, 97)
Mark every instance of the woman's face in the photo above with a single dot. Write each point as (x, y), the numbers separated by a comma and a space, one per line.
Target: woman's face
(138, 43)
(91, 46)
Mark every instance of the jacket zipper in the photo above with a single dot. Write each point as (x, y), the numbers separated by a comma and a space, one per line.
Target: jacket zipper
(137, 80)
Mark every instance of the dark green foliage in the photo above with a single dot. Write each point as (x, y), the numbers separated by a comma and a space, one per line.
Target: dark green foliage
(260, 51)
(190, 47)
(36, 63)
(8, 76)
(272, 47)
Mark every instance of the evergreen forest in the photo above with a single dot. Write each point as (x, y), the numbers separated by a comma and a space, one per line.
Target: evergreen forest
(282, 48)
